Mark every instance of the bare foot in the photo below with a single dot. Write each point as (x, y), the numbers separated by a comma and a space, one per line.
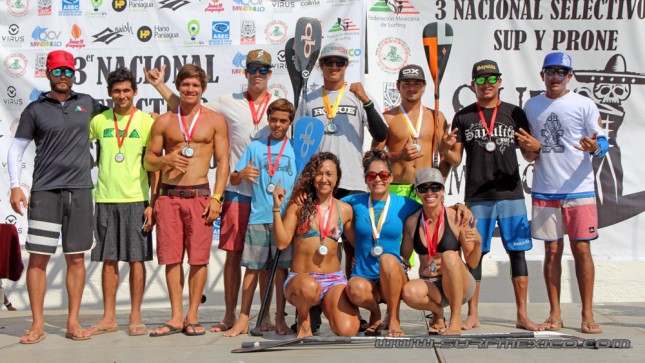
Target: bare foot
(222, 326)
(552, 324)
(281, 328)
(527, 324)
(471, 322)
(267, 325)
(395, 330)
(451, 330)
(240, 327)
(438, 325)
(304, 330)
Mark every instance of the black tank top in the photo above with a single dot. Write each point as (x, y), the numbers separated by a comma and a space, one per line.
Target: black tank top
(448, 241)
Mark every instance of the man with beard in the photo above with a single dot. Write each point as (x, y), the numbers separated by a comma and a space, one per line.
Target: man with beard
(61, 195)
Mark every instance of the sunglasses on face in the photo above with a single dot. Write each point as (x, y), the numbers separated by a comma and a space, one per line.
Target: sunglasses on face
(254, 70)
(337, 63)
(490, 79)
(383, 175)
(560, 71)
(60, 71)
(434, 187)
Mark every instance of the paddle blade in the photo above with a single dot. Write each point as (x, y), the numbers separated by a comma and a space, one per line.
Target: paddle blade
(437, 42)
(307, 135)
(307, 45)
(294, 71)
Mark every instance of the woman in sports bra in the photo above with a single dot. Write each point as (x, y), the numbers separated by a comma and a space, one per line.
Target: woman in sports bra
(440, 240)
(315, 227)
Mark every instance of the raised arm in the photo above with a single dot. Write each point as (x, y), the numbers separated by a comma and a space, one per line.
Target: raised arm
(156, 78)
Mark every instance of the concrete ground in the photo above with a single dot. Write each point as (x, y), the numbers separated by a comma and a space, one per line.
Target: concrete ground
(619, 321)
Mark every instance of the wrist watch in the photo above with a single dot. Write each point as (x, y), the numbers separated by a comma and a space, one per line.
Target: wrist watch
(218, 197)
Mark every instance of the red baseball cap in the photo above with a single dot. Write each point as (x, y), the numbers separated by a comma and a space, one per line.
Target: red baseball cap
(60, 58)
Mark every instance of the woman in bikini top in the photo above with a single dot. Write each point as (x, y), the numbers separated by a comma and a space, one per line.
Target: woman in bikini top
(314, 226)
(435, 234)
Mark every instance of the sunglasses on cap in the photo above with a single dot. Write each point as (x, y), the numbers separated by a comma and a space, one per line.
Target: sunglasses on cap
(560, 71)
(60, 71)
(254, 70)
(491, 79)
(383, 175)
(434, 187)
(331, 62)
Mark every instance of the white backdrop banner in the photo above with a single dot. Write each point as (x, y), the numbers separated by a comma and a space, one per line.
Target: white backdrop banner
(601, 36)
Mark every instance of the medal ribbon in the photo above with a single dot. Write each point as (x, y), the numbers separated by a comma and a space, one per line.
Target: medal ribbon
(376, 229)
(414, 131)
(256, 113)
(322, 225)
(330, 110)
(119, 139)
(182, 124)
(274, 167)
(492, 120)
(432, 242)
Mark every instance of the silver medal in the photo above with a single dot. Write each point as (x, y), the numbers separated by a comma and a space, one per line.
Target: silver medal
(119, 157)
(255, 134)
(433, 267)
(490, 146)
(376, 251)
(270, 187)
(188, 152)
(331, 128)
(322, 250)
(417, 146)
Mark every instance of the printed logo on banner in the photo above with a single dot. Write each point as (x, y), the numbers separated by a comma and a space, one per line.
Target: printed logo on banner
(144, 33)
(392, 54)
(13, 37)
(220, 33)
(76, 41)
(18, 7)
(343, 29)
(70, 8)
(15, 65)
(34, 94)
(248, 5)
(341, 2)
(96, 13)
(276, 32)
(398, 7)
(164, 34)
(283, 6)
(119, 5)
(173, 4)
(239, 61)
(141, 5)
(277, 90)
(108, 35)
(40, 65)
(193, 30)
(43, 37)
(247, 32)
(215, 6)
(309, 4)
(279, 63)
(12, 98)
(44, 7)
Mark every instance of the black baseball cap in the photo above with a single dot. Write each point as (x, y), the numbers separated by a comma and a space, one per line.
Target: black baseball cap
(411, 71)
(485, 67)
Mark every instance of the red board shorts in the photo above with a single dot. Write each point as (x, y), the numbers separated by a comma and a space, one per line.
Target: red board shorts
(236, 210)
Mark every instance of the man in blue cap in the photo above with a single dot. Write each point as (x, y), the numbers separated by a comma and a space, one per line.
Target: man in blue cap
(568, 127)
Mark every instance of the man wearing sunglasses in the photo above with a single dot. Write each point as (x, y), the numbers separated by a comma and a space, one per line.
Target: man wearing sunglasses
(245, 114)
(568, 126)
(411, 133)
(61, 195)
(490, 131)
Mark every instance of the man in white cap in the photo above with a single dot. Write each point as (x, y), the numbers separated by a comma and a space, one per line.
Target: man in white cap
(568, 127)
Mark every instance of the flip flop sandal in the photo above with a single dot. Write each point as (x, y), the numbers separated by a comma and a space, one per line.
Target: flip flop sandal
(194, 331)
(171, 330)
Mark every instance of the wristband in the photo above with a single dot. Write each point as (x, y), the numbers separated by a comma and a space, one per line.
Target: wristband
(218, 197)
(597, 151)
(537, 151)
(276, 210)
(366, 105)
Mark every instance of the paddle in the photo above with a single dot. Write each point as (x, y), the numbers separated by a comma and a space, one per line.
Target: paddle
(249, 347)
(437, 42)
(308, 133)
(294, 71)
(307, 44)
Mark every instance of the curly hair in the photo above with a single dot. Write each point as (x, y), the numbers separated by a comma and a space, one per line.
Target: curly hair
(305, 187)
(376, 155)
